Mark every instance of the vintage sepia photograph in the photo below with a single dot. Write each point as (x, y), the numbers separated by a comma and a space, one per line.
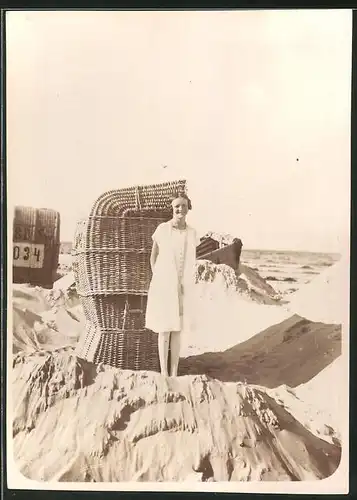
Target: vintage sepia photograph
(178, 199)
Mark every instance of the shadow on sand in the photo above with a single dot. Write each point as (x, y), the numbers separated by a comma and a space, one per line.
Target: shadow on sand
(291, 353)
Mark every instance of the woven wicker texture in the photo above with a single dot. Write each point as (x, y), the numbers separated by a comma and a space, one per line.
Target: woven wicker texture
(36, 245)
(112, 247)
(111, 265)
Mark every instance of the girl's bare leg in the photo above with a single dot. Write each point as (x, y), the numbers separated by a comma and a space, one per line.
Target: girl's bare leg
(163, 343)
(175, 343)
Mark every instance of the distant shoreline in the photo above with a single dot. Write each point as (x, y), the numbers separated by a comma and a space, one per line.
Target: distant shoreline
(66, 247)
(312, 252)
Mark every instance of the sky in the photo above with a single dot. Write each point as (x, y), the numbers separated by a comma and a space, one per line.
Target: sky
(252, 108)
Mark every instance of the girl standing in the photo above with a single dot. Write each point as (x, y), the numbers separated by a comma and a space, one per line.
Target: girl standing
(170, 299)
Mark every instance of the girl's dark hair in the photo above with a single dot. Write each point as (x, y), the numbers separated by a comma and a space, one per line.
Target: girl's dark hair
(182, 194)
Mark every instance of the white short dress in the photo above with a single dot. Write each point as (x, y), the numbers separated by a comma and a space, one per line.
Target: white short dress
(170, 305)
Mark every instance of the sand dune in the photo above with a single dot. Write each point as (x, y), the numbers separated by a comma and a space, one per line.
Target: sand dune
(145, 429)
(291, 352)
(31, 298)
(256, 286)
(44, 319)
(247, 282)
(326, 297)
(315, 405)
(252, 401)
(42, 334)
(229, 310)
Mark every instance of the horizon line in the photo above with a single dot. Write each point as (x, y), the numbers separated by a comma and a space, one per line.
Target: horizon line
(277, 250)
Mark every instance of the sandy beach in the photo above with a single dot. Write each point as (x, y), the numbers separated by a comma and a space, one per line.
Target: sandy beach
(117, 123)
(252, 400)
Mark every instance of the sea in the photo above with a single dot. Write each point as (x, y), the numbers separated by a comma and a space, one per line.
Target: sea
(287, 271)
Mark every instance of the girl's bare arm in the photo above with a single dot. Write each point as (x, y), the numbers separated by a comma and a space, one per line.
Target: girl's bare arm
(154, 254)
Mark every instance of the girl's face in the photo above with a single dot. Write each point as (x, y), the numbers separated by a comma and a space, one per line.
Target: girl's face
(179, 208)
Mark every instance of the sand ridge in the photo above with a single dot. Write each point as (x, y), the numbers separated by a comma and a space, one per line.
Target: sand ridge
(244, 407)
(74, 424)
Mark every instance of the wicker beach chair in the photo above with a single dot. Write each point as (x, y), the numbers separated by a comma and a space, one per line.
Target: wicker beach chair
(111, 265)
(36, 245)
